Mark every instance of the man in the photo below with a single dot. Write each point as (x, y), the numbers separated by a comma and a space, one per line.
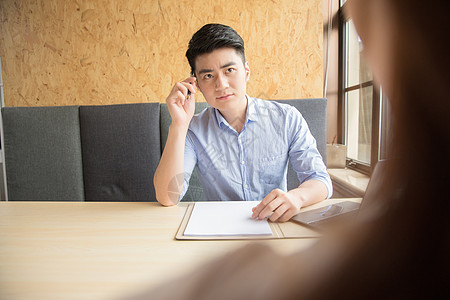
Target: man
(240, 144)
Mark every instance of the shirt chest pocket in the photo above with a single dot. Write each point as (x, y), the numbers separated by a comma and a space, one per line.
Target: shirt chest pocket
(272, 169)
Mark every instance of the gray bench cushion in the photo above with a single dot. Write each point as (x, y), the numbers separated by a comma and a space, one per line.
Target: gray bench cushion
(121, 150)
(43, 153)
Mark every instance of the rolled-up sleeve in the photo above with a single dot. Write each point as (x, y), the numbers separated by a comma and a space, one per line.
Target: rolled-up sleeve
(303, 153)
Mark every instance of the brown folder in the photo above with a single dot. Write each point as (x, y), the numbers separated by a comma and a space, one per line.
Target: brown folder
(279, 231)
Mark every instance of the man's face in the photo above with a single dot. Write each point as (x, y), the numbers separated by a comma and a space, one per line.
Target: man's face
(222, 78)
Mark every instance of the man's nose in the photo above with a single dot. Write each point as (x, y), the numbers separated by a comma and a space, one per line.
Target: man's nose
(221, 82)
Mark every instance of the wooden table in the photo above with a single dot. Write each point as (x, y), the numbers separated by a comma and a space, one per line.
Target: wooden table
(93, 250)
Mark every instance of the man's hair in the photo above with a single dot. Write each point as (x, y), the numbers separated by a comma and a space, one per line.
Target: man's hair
(211, 37)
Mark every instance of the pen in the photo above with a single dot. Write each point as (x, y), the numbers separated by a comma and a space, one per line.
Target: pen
(189, 92)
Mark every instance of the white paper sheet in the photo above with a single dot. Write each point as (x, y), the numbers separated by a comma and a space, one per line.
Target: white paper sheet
(225, 218)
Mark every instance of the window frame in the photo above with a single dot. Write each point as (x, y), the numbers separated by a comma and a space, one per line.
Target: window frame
(377, 103)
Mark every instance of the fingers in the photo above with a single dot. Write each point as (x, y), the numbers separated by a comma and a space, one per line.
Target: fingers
(267, 205)
(193, 83)
(190, 83)
(182, 90)
(180, 93)
(287, 215)
(277, 206)
(181, 102)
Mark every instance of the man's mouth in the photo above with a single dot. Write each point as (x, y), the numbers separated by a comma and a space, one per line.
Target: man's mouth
(224, 97)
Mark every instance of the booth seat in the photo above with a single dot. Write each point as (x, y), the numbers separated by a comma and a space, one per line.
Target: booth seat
(104, 152)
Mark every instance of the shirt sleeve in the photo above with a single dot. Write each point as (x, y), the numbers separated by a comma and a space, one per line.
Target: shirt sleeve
(303, 154)
(190, 160)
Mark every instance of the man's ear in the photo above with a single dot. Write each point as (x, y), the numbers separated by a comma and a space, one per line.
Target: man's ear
(247, 71)
(196, 81)
(198, 87)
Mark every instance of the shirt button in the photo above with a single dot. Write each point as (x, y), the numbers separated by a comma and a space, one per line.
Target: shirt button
(246, 186)
(242, 162)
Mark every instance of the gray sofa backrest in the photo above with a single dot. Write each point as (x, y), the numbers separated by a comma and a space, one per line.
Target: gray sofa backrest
(103, 153)
(43, 153)
(121, 150)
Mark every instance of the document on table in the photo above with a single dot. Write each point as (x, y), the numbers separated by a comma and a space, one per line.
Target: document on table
(225, 218)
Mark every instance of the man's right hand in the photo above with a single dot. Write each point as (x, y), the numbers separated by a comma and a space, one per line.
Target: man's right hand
(181, 105)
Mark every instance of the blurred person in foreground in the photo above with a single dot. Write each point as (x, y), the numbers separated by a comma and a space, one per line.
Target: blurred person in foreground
(399, 246)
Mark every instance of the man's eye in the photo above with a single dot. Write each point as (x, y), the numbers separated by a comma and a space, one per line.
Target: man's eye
(207, 76)
(230, 70)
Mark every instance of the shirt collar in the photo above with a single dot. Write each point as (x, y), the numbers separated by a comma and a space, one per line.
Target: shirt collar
(250, 116)
(220, 119)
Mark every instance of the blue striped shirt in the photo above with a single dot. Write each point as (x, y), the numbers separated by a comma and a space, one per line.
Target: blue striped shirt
(249, 165)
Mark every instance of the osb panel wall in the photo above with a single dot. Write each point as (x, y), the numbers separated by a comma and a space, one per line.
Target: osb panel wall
(57, 52)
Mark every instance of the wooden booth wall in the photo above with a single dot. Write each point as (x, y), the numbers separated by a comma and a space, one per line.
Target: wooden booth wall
(80, 52)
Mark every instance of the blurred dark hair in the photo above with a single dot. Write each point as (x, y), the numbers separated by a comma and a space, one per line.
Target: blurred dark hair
(211, 37)
(402, 252)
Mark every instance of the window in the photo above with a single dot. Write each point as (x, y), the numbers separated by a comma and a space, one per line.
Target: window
(385, 127)
(363, 108)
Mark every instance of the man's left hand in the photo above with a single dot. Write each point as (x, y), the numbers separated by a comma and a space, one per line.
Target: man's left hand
(278, 205)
